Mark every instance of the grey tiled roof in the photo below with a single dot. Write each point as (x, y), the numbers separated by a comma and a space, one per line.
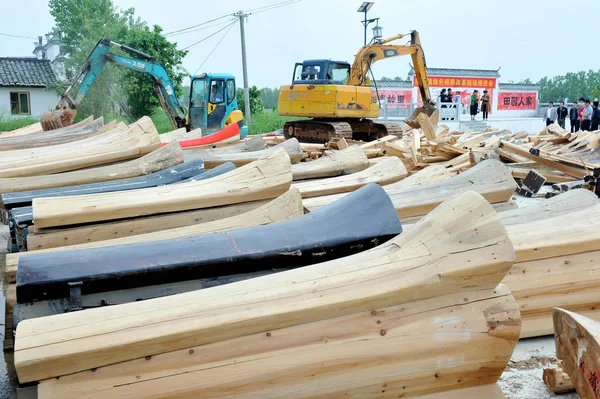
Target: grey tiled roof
(483, 73)
(518, 86)
(405, 84)
(28, 72)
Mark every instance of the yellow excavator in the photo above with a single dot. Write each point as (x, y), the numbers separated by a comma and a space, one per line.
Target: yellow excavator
(338, 97)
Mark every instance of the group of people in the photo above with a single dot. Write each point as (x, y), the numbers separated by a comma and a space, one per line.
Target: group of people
(583, 115)
(485, 101)
(446, 96)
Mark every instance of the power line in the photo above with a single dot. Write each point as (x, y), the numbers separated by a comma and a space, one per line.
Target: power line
(213, 50)
(202, 28)
(274, 6)
(20, 37)
(209, 36)
(195, 26)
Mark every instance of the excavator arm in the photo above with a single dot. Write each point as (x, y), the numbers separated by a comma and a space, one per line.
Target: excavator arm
(372, 53)
(100, 55)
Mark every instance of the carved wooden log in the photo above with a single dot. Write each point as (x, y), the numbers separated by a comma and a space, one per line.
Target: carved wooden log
(29, 129)
(155, 161)
(378, 311)
(252, 143)
(170, 175)
(188, 172)
(266, 178)
(286, 206)
(138, 139)
(365, 219)
(350, 160)
(490, 178)
(59, 136)
(180, 134)
(55, 238)
(388, 171)
(578, 346)
(217, 156)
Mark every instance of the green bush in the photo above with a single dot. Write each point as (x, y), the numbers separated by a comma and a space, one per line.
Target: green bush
(268, 121)
(161, 120)
(7, 124)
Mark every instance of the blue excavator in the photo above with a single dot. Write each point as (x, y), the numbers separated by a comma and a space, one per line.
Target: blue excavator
(212, 101)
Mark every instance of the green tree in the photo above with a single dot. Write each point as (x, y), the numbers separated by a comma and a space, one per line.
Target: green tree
(256, 105)
(81, 23)
(572, 85)
(269, 97)
(139, 87)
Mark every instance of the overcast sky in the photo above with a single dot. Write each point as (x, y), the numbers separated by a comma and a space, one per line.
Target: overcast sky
(526, 38)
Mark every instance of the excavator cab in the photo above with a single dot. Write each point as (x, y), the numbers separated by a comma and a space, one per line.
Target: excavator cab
(213, 103)
(321, 72)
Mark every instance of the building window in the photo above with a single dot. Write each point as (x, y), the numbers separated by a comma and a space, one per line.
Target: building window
(19, 104)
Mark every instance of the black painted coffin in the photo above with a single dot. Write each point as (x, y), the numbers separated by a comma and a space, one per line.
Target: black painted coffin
(357, 222)
(170, 175)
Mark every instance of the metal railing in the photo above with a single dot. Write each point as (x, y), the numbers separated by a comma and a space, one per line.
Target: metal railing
(448, 111)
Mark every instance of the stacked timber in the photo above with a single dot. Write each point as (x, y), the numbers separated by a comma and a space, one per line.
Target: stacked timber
(84, 129)
(154, 161)
(137, 139)
(355, 326)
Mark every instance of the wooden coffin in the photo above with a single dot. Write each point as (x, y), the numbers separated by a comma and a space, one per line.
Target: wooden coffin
(350, 160)
(54, 238)
(364, 219)
(217, 156)
(286, 206)
(252, 143)
(557, 266)
(578, 347)
(418, 315)
(180, 134)
(170, 175)
(388, 171)
(490, 178)
(155, 161)
(29, 129)
(266, 178)
(138, 139)
(53, 137)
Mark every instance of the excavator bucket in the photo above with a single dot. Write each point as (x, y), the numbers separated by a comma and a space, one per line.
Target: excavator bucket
(412, 120)
(58, 118)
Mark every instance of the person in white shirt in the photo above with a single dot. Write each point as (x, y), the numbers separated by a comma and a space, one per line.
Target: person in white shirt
(551, 114)
(586, 116)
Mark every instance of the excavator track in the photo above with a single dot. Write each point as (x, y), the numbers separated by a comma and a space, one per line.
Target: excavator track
(324, 131)
(317, 131)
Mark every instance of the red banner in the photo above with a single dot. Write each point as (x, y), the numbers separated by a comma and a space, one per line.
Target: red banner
(517, 101)
(394, 97)
(476, 83)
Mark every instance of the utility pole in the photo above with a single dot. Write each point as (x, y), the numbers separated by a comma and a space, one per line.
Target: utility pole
(247, 112)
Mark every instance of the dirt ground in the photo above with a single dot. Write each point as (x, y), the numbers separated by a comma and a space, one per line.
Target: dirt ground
(521, 380)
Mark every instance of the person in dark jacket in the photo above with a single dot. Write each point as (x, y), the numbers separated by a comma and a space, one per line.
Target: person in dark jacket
(450, 96)
(562, 113)
(443, 96)
(595, 117)
(574, 116)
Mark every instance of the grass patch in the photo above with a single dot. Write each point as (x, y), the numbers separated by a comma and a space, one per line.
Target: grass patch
(161, 120)
(268, 121)
(7, 124)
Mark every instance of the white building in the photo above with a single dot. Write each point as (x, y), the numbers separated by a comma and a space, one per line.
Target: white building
(26, 82)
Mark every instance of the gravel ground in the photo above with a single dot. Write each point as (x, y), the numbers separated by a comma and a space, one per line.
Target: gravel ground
(521, 380)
